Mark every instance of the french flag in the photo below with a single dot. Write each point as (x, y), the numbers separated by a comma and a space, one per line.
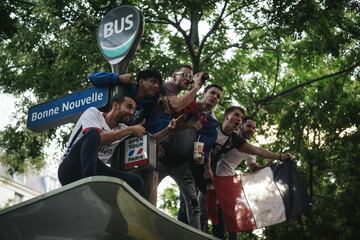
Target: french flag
(266, 197)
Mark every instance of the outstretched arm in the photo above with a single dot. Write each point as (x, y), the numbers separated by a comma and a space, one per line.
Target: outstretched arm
(109, 137)
(101, 79)
(174, 123)
(261, 152)
(161, 135)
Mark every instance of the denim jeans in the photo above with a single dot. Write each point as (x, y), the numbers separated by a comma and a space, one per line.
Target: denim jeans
(217, 230)
(184, 179)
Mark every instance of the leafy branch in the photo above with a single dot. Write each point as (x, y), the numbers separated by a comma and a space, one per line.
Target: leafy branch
(267, 99)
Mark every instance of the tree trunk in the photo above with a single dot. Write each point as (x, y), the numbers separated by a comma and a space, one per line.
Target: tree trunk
(195, 17)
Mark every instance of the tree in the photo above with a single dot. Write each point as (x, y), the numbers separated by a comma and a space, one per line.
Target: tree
(169, 200)
(293, 64)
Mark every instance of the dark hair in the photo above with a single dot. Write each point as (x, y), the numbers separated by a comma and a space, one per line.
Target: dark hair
(211, 86)
(179, 67)
(149, 73)
(247, 118)
(119, 98)
(233, 108)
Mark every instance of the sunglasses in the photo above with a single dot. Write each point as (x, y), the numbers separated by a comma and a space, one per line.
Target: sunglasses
(184, 74)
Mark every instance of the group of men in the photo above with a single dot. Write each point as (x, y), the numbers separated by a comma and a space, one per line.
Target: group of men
(176, 122)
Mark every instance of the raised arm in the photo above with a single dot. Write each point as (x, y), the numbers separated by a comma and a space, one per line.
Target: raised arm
(177, 103)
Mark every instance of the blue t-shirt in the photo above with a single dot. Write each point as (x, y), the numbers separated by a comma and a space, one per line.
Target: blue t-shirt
(146, 108)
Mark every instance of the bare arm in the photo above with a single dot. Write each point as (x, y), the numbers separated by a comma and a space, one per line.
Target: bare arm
(258, 151)
(159, 136)
(261, 152)
(178, 103)
(108, 137)
(255, 167)
(208, 173)
(174, 124)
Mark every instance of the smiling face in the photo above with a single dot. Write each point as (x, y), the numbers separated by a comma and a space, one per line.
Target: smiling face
(149, 87)
(233, 120)
(123, 111)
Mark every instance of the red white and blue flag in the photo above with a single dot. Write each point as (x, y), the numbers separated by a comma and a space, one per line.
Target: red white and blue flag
(266, 197)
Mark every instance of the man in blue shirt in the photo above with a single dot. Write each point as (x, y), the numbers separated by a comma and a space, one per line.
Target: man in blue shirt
(145, 92)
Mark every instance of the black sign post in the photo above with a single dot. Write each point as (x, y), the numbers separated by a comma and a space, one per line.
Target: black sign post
(119, 35)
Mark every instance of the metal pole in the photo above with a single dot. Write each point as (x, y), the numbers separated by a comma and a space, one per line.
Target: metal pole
(120, 68)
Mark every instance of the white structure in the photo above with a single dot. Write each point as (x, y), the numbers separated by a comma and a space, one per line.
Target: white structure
(19, 187)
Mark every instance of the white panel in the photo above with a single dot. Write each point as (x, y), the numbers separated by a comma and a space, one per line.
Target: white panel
(263, 197)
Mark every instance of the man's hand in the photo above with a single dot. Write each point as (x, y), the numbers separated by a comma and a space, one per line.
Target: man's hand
(208, 173)
(197, 80)
(286, 156)
(125, 78)
(199, 159)
(175, 123)
(163, 102)
(138, 130)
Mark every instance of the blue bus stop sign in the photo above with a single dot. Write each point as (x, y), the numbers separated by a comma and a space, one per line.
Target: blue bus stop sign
(65, 109)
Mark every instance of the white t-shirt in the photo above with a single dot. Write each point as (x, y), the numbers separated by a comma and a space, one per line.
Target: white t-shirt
(93, 118)
(229, 161)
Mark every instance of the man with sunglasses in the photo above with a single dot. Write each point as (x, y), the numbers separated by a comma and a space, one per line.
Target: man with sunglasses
(181, 79)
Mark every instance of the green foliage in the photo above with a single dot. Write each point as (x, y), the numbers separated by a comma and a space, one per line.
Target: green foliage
(169, 200)
(23, 149)
(293, 64)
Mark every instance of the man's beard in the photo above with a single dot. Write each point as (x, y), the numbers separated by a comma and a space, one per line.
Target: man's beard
(123, 119)
(244, 135)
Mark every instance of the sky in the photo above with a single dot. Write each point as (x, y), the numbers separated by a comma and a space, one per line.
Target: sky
(7, 110)
(7, 102)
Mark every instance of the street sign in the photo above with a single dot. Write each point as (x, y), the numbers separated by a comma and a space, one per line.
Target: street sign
(139, 152)
(119, 33)
(65, 109)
